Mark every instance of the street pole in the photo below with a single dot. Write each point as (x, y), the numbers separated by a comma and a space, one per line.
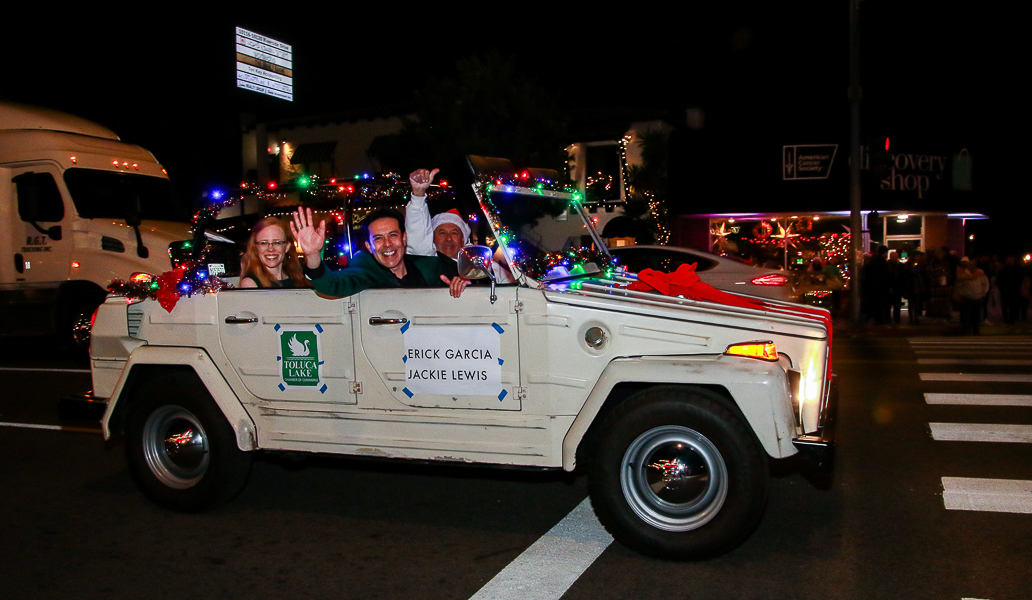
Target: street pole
(856, 233)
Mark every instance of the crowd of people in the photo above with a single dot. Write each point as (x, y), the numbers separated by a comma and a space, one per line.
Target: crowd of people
(936, 284)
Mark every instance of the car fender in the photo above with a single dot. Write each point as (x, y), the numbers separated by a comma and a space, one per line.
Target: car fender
(759, 389)
(198, 360)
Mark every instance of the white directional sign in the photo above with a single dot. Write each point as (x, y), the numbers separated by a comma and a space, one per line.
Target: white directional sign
(807, 161)
(264, 65)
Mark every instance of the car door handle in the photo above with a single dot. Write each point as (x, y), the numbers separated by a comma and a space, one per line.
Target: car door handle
(382, 321)
(236, 319)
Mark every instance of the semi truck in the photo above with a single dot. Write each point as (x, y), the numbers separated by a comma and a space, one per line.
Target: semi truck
(78, 208)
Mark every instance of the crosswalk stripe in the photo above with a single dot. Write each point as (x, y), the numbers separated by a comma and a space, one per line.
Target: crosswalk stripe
(992, 495)
(553, 563)
(982, 339)
(973, 352)
(980, 399)
(981, 432)
(975, 361)
(984, 377)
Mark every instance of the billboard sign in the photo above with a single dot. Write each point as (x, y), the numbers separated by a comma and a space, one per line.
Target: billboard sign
(264, 65)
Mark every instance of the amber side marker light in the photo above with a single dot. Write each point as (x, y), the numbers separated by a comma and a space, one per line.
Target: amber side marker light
(760, 350)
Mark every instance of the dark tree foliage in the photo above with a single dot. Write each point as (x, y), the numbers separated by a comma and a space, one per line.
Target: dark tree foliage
(489, 108)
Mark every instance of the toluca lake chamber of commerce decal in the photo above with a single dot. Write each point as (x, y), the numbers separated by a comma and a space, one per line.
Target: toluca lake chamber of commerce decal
(300, 358)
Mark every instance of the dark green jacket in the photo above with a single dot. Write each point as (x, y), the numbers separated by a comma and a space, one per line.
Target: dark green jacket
(365, 273)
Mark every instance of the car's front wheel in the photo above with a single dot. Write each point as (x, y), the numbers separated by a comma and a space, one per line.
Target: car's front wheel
(181, 451)
(678, 474)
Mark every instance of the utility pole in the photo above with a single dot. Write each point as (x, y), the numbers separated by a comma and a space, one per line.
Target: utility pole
(856, 233)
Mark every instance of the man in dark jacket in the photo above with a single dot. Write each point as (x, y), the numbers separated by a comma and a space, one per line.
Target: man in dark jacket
(385, 264)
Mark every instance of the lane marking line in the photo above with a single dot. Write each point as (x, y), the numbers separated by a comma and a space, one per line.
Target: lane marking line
(998, 377)
(974, 361)
(980, 399)
(44, 370)
(981, 432)
(988, 495)
(50, 427)
(552, 564)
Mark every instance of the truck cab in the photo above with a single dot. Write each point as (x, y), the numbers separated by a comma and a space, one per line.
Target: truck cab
(78, 209)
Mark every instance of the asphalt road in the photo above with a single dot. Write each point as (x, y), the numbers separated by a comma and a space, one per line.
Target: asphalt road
(74, 525)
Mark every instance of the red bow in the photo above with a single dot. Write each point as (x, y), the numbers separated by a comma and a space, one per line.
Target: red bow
(168, 288)
(686, 282)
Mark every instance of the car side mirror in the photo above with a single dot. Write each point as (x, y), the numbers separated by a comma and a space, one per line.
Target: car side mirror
(475, 262)
(54, 232)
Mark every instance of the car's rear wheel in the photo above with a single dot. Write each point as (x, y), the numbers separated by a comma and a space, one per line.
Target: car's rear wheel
(181, 451)
(678, 474)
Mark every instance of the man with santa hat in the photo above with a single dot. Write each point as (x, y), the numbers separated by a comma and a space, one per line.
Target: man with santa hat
(445, 234)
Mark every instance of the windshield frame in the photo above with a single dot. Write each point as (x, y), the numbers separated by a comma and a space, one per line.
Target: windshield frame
(486, 184)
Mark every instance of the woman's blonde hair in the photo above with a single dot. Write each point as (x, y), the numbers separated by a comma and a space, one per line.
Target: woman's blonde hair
(251, 264)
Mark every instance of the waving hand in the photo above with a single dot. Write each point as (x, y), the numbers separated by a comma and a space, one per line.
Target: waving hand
(309, 237)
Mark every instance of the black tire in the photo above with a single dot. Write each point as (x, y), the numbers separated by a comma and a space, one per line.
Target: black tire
(76, 305)
(677, 474)
(203, 468)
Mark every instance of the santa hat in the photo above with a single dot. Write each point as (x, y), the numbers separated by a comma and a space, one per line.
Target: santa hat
(453, 217)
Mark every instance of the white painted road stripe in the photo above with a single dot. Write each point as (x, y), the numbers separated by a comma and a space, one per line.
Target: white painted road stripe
(980, 399)
(982, 339)
(50, 427)
(999, 377)
(992, 495)
(553, 563)
(974, 352)
(981, 432)
(974, 361)
(972, 342)
(44, 370)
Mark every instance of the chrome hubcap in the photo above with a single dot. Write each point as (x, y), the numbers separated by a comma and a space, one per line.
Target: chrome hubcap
(674, 478)
(175, 447)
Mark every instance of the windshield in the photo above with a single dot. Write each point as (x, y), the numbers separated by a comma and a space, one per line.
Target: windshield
(544, 229)
(110, 195)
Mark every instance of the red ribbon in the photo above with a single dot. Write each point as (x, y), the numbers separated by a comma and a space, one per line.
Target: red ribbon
(686, 282)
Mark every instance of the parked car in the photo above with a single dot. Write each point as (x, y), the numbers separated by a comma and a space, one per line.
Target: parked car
(673, 405)
(728, 274)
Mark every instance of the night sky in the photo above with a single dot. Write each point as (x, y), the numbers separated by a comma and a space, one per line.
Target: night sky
(934, 79)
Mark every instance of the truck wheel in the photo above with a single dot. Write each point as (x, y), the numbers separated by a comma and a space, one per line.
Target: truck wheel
(181, 451)
(75, 306)
(678, 475)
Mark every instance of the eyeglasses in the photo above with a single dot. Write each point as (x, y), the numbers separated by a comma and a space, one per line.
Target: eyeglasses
(276, 244)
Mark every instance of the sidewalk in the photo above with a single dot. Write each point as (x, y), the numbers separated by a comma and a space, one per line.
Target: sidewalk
(929, 326)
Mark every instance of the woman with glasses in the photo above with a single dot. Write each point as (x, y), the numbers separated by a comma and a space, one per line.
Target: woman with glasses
(271, 260)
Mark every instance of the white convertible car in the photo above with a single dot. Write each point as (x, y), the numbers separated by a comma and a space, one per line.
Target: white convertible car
(671, 403)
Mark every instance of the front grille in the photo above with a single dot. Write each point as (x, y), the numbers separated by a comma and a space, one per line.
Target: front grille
(134, 314)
